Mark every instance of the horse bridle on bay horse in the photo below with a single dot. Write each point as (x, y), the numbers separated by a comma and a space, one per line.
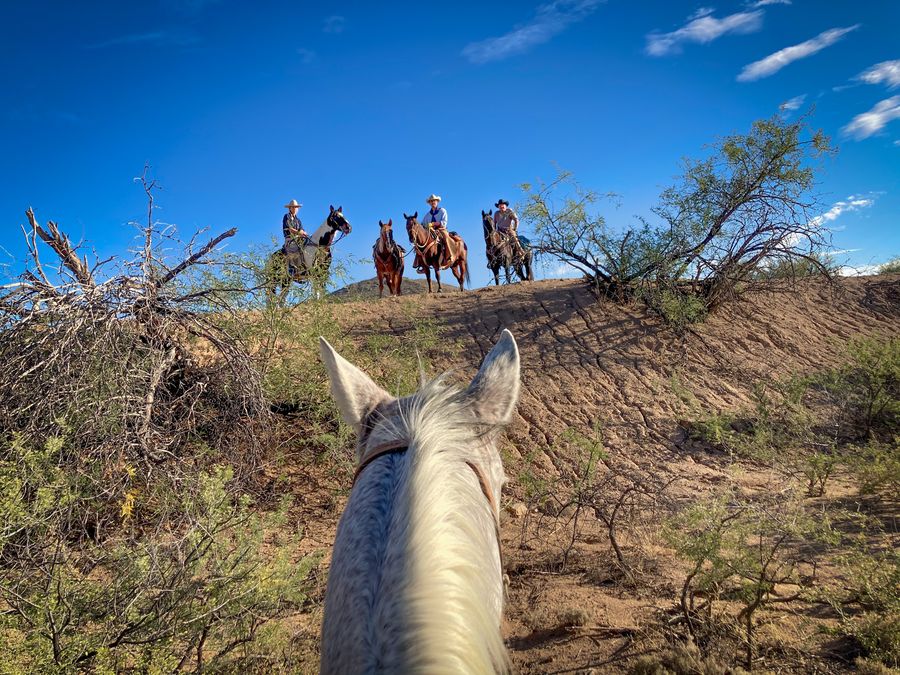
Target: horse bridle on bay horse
(429, 233)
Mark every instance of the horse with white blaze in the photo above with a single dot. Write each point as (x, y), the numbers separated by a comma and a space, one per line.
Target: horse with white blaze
(416, 578)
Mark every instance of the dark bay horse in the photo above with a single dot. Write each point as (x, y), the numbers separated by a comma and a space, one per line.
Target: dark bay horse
(428, 246)
(500, 252)
(388, 257)
(311, 264)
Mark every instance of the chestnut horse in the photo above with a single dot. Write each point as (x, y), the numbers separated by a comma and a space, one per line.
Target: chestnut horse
(388, 257)
(430, 251)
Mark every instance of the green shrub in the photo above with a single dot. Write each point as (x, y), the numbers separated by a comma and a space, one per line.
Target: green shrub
(198, 587)
(679, 310)
(744, 551)
(872, 584)
(682, 659)
(867, 387)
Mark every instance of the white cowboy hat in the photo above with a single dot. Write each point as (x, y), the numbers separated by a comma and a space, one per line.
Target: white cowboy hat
(432, 198)
(291, 203)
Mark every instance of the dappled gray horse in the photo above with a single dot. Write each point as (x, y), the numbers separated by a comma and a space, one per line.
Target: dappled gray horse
(416, 579)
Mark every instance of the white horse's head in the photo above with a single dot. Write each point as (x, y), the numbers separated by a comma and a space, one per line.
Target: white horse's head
(422, 521)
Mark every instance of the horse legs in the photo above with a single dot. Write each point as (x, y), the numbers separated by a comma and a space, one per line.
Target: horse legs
(496, 271)
(428, 277)
(459, 273)
(381, 284)
(398, 281)
(437, 277)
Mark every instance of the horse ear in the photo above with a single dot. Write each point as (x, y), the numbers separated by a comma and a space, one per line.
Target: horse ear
(490, 212)
(340, 209)
(483, 214)
(416, 215)
(331, 207)
(405, 217)
(354, 392)
(495, 389)
(380, 224)
(390, 222)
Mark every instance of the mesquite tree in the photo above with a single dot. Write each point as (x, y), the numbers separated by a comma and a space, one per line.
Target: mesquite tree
(746, 207)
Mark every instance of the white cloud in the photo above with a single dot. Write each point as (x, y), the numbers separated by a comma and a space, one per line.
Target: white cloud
(793, 103)
(334, 24)
(858, 270)
(868, 123)
(887, 72)
(550, 20)
(897, 143)
(702, 11)
(703, 29)
(852, 203)
(783, 57)
(307, 56)
(763, 3)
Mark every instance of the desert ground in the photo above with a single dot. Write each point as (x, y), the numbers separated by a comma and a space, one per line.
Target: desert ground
(590, 366)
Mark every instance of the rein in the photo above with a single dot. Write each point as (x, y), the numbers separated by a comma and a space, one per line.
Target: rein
(431, 241)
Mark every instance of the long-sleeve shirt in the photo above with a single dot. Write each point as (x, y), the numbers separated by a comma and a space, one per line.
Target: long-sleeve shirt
(506, 221)
(439, 217)
(289, 222)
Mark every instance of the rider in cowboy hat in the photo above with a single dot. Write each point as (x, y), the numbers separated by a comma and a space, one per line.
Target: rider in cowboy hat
(507, 223)
(436, 218)
(294, 234)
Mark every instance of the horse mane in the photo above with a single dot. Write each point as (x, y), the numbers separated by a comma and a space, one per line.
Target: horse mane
(448, 597)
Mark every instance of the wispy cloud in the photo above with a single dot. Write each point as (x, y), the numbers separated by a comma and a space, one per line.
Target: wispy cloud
(793, 103)
(852, 203)
(868, 123)
(158, 37)
(783, 57)
(334, 24)
(307, 56)
(703, 29)
(702, 11)
(550, 20)
(886, 72)
(763, 3)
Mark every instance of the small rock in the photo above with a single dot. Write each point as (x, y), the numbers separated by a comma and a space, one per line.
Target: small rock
(517, 510)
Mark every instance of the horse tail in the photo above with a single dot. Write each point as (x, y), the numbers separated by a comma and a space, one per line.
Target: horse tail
(466, 271)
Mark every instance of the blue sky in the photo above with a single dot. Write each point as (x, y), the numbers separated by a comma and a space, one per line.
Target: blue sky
(240, 107)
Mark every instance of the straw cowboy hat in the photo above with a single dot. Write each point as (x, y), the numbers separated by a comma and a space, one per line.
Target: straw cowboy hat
(293, 202)
(501, 201)
(432, 198)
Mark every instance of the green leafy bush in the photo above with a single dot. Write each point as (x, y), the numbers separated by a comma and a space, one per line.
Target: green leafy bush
(872, 585)
(197, 583)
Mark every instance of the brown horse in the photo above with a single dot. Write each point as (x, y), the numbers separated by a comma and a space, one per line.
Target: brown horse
(429, 250)
(388, 256)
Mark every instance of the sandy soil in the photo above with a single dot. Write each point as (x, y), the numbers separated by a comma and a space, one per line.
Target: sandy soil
(586, 361)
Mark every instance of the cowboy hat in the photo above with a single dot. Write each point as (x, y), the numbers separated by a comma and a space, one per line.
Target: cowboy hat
(432, 197)
(501, 201)
(293, 202)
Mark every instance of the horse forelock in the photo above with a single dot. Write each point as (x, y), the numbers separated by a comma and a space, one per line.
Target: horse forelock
(438, 569)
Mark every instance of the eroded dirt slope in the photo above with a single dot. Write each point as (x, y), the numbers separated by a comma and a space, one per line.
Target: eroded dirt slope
(587, 361)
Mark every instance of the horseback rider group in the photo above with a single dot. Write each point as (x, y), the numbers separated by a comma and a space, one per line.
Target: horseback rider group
(435, 220)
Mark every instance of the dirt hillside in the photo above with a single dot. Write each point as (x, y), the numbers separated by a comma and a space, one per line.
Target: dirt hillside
(587, 361)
